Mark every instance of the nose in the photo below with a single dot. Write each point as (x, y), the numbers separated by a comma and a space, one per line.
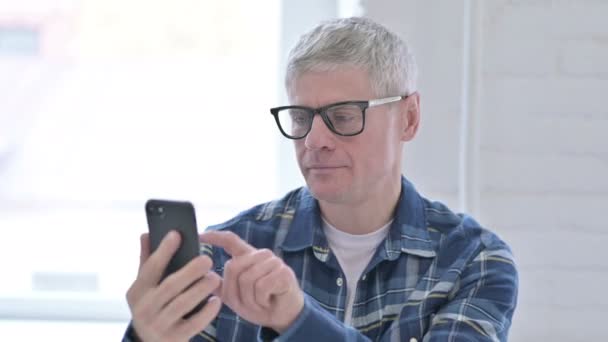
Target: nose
(319, 137)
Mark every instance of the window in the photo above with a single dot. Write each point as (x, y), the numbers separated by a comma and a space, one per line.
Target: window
(108, 103)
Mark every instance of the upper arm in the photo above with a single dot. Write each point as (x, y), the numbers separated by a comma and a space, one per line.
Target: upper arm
(482, 303)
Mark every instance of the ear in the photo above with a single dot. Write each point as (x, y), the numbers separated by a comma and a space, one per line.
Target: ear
(410, 116)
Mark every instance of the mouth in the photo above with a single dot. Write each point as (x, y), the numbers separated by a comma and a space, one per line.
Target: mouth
(324, 167)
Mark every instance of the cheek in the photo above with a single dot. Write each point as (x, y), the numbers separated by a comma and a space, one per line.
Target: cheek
(366, 155)
(298, 148)
(378, 151)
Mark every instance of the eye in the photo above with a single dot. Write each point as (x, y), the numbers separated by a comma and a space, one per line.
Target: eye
(299, 117)
(346, 117)
(344, 114)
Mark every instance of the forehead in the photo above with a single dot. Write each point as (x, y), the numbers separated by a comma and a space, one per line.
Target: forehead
(319, 88)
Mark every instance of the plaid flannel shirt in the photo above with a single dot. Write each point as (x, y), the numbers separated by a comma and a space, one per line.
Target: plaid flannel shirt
(438, 276)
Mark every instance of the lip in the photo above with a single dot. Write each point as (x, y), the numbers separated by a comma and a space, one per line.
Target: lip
(324, 167)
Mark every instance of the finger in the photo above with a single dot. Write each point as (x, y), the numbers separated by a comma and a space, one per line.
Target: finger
(154, 267)
(218, 291)
(189, 299)
(254, 266)
(275, 283)
(144, 250)
(229, 241)
(262, 270)
(195, 324)
(230, 292)
(233, 268)
(134, 293)
(179, 281)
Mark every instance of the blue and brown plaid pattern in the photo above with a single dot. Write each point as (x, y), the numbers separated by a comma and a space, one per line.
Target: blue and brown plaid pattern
(438, 276)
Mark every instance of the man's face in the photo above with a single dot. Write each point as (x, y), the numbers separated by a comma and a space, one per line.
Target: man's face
(348, 170)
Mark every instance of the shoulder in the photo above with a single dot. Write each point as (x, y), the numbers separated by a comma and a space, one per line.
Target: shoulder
(481, 269)
(460, 236)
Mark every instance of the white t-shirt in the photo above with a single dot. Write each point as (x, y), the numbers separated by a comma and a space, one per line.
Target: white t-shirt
(353, 253)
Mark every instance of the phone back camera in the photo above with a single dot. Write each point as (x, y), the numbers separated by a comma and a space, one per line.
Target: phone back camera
(156, 210)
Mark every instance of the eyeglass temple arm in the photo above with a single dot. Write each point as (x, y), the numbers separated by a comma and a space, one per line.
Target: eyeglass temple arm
(373, 103)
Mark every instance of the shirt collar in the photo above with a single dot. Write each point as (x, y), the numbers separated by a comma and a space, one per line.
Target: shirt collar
(305, 225)
(408, 232)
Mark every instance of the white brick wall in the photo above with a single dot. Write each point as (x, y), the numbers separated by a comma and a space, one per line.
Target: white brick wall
(543, 142)
(420, 24)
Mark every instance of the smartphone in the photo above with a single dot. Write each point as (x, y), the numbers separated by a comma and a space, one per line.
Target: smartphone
(164, 216)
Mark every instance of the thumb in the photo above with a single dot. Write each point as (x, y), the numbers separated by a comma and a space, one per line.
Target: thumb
(144, 251)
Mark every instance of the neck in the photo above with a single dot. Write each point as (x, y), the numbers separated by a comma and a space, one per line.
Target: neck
(365, 216)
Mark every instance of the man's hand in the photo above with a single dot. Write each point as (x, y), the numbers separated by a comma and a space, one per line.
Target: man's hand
(257, 284)
(157, 309)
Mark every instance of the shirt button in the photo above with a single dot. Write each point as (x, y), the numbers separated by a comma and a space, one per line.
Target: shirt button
(339, 281)
(413, 339)
(364, 277)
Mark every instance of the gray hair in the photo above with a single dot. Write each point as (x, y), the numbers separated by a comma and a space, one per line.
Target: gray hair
(356, 42)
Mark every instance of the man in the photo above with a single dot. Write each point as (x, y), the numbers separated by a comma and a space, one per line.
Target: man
(358, 254)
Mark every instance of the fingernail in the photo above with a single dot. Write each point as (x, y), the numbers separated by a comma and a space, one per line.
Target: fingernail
(172, 235)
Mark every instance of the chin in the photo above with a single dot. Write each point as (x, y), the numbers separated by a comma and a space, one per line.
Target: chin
(330, 190)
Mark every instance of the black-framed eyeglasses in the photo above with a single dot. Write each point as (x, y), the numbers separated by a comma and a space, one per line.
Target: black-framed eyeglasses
(343, 118)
